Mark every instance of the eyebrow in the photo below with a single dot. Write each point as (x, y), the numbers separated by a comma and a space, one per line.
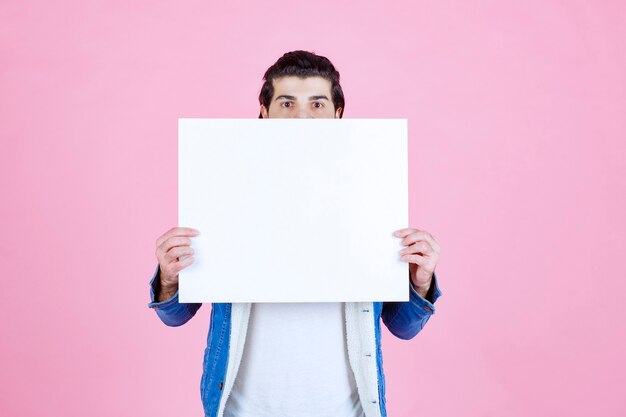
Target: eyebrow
(285, 96)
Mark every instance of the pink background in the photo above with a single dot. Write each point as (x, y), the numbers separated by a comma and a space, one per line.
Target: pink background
(517, 139)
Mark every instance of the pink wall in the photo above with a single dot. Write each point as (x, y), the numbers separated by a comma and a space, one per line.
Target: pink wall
(517, 130)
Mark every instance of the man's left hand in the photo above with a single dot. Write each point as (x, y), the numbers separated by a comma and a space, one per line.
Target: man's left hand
(422, 253)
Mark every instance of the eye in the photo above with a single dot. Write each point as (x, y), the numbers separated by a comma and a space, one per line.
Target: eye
(286, 104)
(315, 104)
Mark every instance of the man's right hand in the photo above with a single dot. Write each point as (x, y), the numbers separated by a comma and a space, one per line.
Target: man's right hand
(174, 253)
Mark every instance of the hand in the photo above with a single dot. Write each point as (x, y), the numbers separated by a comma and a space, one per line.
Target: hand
(174, 253)
(422, 253)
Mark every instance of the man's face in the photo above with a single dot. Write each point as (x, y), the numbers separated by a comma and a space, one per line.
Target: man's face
(301, 98)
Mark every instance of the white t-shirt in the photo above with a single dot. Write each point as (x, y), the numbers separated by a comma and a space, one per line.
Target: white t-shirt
(295, 363)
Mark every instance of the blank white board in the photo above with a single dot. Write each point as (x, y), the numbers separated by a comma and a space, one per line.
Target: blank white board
(293, 210)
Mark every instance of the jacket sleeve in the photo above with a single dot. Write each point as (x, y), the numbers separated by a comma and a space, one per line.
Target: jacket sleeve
(170, 311)
(405, 319)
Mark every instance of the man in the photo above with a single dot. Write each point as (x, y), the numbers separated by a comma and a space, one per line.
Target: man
(300, 359)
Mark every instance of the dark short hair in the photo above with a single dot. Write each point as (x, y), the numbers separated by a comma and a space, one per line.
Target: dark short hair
(302, 64)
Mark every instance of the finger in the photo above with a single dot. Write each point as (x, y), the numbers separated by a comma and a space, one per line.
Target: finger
(415, 259)
(404, 232)
(182, 264)
(418, 247)
(173, 242)
(175, 267)
(434, 243)
(177, 231)
(421, 236)
(173, 254)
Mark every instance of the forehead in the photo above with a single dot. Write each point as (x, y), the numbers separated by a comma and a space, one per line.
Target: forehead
(296, 86)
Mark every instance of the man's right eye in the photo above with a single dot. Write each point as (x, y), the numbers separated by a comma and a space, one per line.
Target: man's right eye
(286, 104)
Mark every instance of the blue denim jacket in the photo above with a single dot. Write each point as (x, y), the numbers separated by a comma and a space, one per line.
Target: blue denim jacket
(229, 320)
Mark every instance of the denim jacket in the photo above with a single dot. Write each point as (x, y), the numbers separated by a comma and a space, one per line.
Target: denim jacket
(227, 332)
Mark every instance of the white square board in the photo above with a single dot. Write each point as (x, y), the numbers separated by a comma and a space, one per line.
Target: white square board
(293, 210)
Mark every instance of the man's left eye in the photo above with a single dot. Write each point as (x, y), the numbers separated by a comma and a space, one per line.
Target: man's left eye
(318, 105)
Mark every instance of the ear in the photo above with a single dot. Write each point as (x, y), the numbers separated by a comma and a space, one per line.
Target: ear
(338, 113)
(264, 112)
